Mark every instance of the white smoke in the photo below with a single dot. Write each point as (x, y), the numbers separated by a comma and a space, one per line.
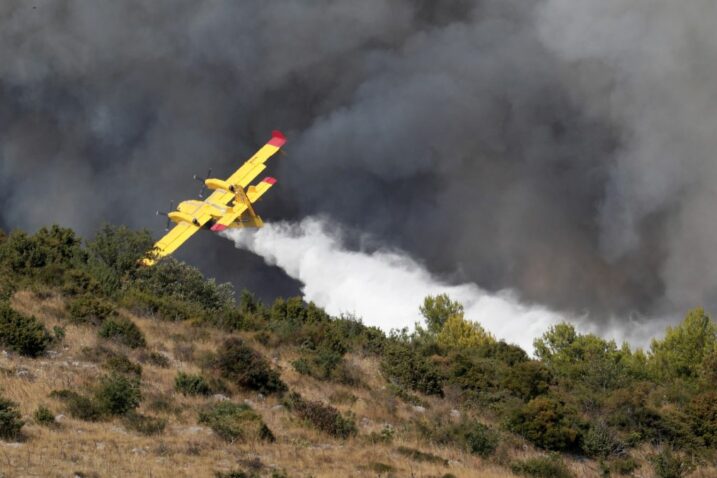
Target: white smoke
(382, 287)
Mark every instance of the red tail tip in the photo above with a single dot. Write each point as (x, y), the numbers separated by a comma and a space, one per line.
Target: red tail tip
(277, 138)
(269, 180)
(218, 227)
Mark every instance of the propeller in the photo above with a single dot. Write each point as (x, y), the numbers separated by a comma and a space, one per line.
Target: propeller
(204, 186)
(161, 213)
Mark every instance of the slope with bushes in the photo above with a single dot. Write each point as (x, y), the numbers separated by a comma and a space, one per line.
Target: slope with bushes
(111, 369)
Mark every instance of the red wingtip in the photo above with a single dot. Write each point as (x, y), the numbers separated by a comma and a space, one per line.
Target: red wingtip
(277, 138)
(218, 227)
(269, 180)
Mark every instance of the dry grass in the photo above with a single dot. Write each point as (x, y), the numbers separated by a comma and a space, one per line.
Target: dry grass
(188, 449)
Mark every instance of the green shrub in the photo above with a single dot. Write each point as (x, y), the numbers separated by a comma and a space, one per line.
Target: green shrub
(600, 441)
(418, 455)
(58, 333)
(403, 364)
(527, 379)
(120, 363)
(670, 465)
(23, 334)
(114, 254)
(481, 440)
(702, 411)
(10, 420)
(122, 330)
(43, 416)
(144, 424)
(117, 394)
(78, 406)
(324, 417)
(470, 435)
(190, 384)
(235, 422)
(551, 466)
(171, 278)
(548, 423)
(242, 365)
(624, 466)
(88, 309)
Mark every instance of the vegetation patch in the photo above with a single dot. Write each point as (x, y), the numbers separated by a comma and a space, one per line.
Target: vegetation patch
(324, 417)
(191, 384)
(123, 331)
(78, 406)
(23, 334)
(117, 394)
(235, 422)
(10, 420)
(144, 424)
(245, 367)
(43, 416)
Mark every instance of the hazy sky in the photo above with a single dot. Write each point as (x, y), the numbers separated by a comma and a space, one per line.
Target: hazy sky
(561, 148)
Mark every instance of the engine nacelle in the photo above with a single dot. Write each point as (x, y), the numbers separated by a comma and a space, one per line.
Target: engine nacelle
(215, 184)
(177, 217)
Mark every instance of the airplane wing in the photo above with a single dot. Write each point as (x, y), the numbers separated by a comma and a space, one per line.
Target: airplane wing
(190, 223)
(250, 169)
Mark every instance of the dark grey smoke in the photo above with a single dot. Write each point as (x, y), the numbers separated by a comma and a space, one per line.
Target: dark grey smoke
(563, 148)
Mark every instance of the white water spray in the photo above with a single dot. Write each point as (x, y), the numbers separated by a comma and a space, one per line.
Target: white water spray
(384, 288)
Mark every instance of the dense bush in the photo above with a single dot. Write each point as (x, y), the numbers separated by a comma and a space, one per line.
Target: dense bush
(235, 422)
(88, 309)
(245, 367)
(144, 424)
(114, 254)
(79, 406)
(10, 420)
(404, 364)
(173, 279)
(123, 331)
(702, 411)
(120, 363)
(43, 416)
(117, 394)
(23, 334)
(551, 466)
(191, 384)
(527, 379)
(470, 435)
(324, 417)
(548, 423)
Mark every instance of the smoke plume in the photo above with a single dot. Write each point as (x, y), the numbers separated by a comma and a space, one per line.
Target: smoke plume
(562, 149)
(383, 288)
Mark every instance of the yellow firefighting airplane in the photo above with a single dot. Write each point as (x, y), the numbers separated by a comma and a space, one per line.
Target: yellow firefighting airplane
(229, 206)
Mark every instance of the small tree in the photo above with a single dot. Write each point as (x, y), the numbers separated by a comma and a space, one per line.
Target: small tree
(460, 333)
(682, 352)
(117, 394)
(438, 309)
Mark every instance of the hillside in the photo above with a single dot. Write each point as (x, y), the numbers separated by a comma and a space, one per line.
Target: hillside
(109, 369)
